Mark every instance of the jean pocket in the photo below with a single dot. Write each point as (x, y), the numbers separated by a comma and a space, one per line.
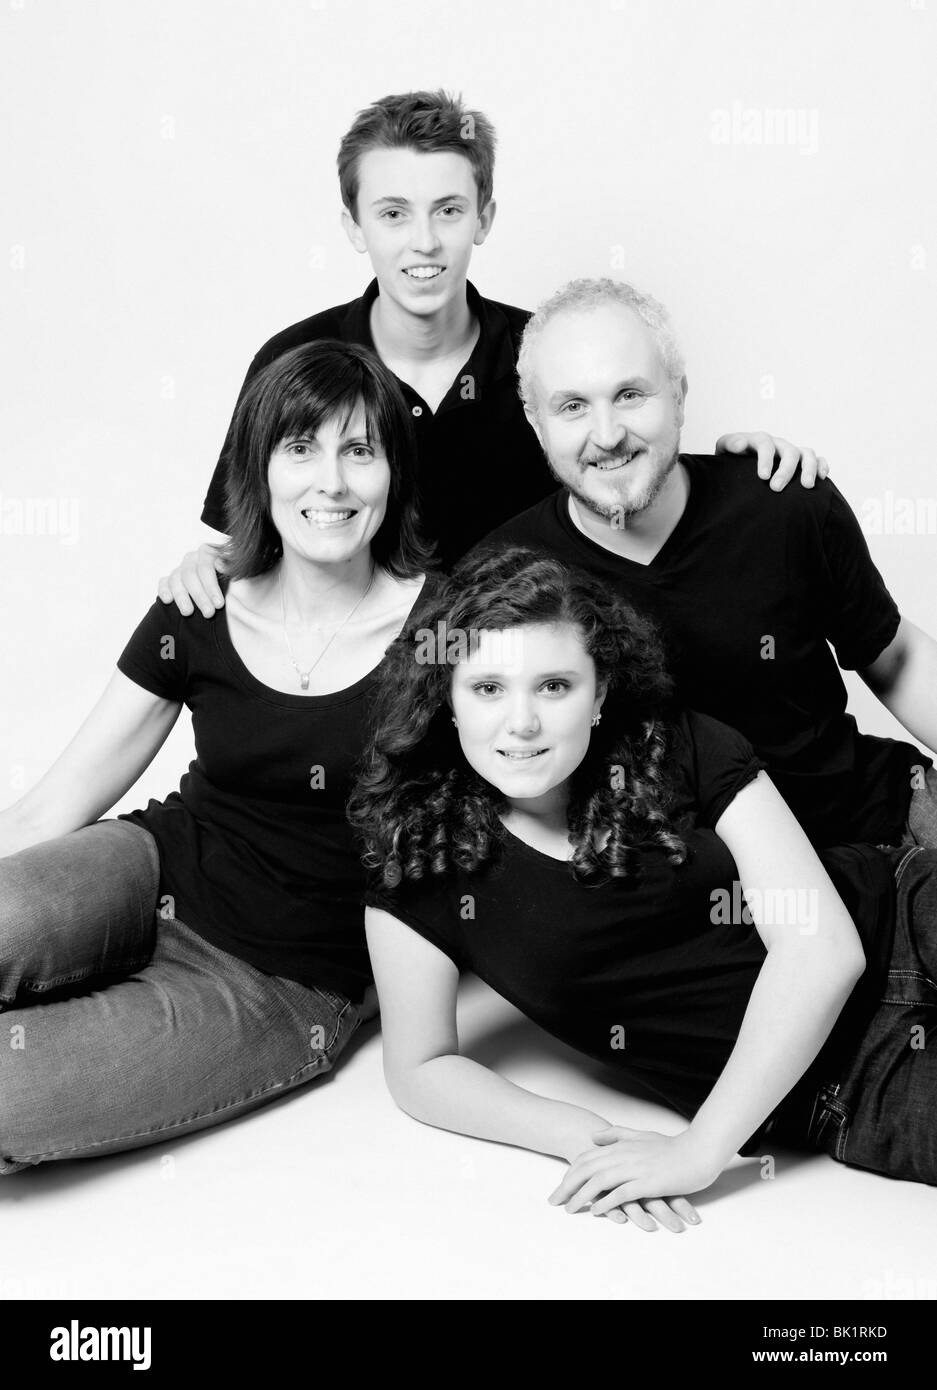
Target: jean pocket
(829, 1124)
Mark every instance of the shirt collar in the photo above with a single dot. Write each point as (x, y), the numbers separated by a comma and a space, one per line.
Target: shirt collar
(493, 356)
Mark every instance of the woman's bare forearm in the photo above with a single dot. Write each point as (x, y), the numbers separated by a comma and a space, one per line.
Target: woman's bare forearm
(456, 1093)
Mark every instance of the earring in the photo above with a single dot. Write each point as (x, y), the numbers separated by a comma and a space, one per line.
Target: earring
(453, 719)
(596, 719)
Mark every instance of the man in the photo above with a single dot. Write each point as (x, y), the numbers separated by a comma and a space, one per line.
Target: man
(416, 179)
(748, 592)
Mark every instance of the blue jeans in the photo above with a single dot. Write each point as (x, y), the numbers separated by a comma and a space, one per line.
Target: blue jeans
(878, 1111)
(921, 825)
(122, 1028)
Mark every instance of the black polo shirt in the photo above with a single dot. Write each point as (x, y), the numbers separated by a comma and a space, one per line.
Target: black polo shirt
(479, 462)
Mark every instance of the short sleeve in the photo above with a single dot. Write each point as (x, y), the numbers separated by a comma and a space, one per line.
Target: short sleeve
(862, 617)
(426, 908)
(155, 656)
(214, 509)
(721, 761)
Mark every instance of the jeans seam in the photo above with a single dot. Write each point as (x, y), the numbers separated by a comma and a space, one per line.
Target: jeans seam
(319, 1061)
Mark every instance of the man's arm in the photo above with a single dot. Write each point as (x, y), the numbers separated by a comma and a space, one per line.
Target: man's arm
(904, 678)
(194, 581)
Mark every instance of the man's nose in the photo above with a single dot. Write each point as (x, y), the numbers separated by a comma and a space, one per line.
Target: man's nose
(607, 430)
(424, 234)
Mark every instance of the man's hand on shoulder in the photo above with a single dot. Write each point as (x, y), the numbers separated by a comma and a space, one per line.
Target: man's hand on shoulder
(770, 450)
(195, 582)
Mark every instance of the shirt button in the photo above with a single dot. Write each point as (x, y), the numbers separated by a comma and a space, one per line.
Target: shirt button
(418, 410)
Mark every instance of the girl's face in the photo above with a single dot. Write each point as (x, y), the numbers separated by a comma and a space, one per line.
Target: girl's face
(328, 491)
(523, 704)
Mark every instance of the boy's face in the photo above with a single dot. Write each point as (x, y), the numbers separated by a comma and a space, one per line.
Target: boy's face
(418, 219)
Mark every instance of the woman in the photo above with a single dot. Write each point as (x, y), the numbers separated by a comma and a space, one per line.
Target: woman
(537, 819)
(170, 969)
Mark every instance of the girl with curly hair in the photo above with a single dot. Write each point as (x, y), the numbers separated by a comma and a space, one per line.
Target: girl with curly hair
(537, 811)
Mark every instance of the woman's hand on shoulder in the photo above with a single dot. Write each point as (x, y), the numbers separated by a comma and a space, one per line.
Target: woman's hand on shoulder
(637, 1172)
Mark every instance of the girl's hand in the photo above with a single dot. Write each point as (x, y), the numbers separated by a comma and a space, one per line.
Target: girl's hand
(628, 1166)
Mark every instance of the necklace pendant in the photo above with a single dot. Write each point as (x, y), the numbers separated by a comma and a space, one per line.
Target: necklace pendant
(304, 681)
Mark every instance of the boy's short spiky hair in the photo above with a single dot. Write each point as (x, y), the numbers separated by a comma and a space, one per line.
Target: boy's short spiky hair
(425, 121)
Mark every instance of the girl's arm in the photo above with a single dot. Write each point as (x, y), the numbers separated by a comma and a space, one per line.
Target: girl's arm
(115, 744)
(417, 985)
(814, 959)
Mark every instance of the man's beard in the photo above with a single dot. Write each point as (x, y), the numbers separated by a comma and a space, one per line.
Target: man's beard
(618, 511)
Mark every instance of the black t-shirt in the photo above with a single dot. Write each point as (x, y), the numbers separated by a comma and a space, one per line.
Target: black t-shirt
(255, 850)
(652, 977)
(479, 462)
(749, 590)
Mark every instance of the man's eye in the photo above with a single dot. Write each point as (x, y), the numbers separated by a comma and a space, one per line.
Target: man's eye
(390, 213)
(631, 395)
(453, 208)
(570, 408)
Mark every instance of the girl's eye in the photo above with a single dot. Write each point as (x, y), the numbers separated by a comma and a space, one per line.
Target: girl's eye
(484, 685)
(300, 450)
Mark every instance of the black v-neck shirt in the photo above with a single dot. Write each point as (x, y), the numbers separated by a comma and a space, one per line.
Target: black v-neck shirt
(478, 460)
(750, 591)
(255, 850)
(651, 977)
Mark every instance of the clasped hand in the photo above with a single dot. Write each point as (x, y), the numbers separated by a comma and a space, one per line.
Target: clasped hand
(632, 1174)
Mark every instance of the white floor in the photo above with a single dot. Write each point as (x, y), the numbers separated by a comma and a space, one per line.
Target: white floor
(334, 1193)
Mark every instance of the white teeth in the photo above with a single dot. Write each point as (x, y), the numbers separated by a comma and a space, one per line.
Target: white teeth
(424, 272)
(521, 757)
(613, 463)
(327, 518)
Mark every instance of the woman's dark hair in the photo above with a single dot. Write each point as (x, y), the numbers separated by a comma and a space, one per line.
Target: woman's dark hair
(421, 809)
(293, 396)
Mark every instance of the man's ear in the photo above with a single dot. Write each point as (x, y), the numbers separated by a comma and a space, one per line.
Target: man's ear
(681, 397)
(485, 219)
(353, 231)
(533, 423)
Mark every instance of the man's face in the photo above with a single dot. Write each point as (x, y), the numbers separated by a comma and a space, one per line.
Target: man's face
(604, 409)
(418, 220)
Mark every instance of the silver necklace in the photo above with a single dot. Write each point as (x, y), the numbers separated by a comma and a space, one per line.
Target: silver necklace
(304, 675)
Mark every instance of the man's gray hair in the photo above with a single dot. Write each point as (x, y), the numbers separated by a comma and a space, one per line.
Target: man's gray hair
(589, 294)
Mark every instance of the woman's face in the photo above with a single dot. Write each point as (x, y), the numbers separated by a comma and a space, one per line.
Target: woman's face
(328, 491)
(524, 703)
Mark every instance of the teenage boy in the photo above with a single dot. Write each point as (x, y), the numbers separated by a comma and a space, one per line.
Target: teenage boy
(416, 178)
(749, 593)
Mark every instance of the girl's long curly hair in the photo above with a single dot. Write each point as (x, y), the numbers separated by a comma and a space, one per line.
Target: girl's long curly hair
(419, 806)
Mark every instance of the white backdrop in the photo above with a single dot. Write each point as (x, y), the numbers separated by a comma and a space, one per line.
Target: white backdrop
(170, 201)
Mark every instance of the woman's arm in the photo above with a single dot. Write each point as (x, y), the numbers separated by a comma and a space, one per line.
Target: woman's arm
(814, 959)
(417, 985)
(117, 741)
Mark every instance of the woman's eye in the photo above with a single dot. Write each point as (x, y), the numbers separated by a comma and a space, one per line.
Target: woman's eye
(361, 452)
(484, 686)
(557, 685)
(299, 450)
